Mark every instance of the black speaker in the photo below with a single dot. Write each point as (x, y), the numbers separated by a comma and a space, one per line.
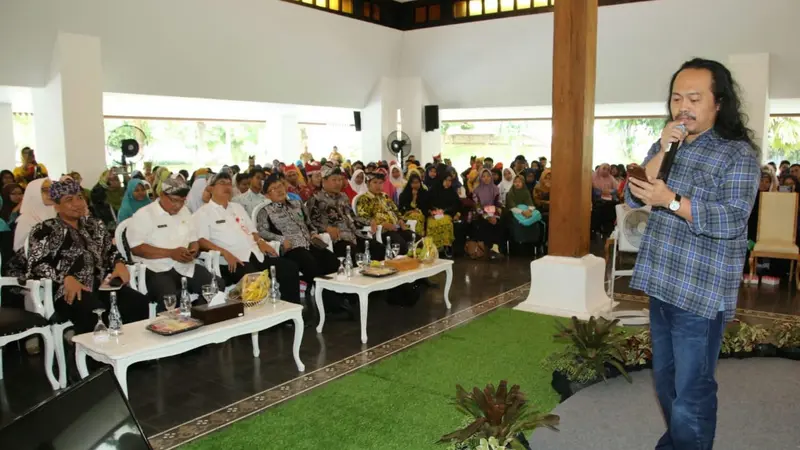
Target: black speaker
(357, 119)
(431, 117)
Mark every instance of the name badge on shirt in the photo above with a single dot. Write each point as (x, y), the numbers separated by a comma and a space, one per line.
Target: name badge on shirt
(162, 226)
(220, 221)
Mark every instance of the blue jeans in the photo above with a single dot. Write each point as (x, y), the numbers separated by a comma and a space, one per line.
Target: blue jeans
(685, 351)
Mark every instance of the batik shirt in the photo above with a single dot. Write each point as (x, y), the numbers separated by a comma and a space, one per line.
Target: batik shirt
(281, 221)
(697, 266)
(332, 210)
(57, 250)
(379, 208)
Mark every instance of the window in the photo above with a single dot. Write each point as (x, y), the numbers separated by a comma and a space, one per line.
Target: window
(420, 14)
(523, 4)
(322, 3)
(475, 8)
(376, 13)
(506, 5)
(347, 6)
(434, 12)
(460, 9)
(489, 6)
(333, 4)
(540, 3)
(367, 10)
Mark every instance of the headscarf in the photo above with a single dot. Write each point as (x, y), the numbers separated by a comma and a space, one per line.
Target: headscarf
(358, 188)
(194, 200)
(8, 206)
(601, 182)
(472, 180)
(3, 224)
(505, 186)
(130, 205)
(430, 181)
(454, 175)
(407, 196)
(499, 174)
(544, 185)
(388, 189)
(486, 193)
(444, 199)
(398, 182)
(32, 212)
(158, 177)
(527, 172)
(113, 196)
(519, 196)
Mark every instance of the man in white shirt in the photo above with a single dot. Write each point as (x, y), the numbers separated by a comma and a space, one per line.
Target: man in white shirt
(252, 197)
(162, 236)
(226, 227)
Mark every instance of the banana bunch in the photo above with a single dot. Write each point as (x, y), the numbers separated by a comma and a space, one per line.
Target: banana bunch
(256, 288)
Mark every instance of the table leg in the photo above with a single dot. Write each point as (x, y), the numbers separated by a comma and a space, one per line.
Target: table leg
(448, 282)
(363, 302)
(299, 326)
(80, 361)
(256, 348)
(320, 307)
(121, 372)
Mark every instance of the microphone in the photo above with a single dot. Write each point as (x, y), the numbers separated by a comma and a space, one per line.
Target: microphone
(669, 158)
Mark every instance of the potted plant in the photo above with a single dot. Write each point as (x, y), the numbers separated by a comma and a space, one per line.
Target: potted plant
(741, 340)
(594, 353)
(787, 339)
(499, 419)
(637, 351)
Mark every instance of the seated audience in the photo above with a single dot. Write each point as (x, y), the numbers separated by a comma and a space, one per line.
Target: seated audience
(6, 177)
(253, 197)
(541, 193)
(396, 177)
(294, 180)
(431, 176)
(413, 203)
(288, 222)
(242, 182)
(135, 198)
(12, 202)
(198, 183)
(505, 184)
(100, 209)
(377, 208)
(487, 224)
(36, 208)
(77, 253)
(357, 185)
(226, 227)
(30, 169)
(444, 207)
(523, 212)
(314, 181)
(109, 181)
(162, 236)
(331, 213)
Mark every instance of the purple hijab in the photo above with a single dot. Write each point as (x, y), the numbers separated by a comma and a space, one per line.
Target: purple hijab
(486, 194)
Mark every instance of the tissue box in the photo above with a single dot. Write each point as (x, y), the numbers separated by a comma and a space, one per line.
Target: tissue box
(770, 281)
(213, 314)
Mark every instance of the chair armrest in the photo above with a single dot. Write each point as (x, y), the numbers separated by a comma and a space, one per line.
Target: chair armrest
(133, 271)
(411, 224)
(39, 298)
(276, 245)
(378, 233)
(142, 273)
(327, 239)
(211, 261)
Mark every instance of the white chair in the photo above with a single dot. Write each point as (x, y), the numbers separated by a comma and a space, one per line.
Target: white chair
(258, 209)
(137, 271)
(17, 324)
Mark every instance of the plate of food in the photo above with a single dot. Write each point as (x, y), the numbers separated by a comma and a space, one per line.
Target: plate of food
(169, 325)
(378, 272)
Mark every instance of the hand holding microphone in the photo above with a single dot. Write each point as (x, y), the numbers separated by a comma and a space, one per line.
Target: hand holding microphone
(672, 135)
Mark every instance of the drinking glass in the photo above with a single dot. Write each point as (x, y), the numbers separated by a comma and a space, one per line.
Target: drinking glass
(361, 260)
(209, 291)
(340, 272)
(169, 302)
(395, 250)
(100, 332)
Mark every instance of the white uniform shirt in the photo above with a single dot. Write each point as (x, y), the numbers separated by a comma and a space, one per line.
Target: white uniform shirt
(230, 228)
(153, 226)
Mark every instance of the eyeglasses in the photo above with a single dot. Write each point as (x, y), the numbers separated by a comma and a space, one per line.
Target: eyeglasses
(176, 200)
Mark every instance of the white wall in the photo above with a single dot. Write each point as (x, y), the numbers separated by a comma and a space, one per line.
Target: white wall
(508, 62)
(258, 50)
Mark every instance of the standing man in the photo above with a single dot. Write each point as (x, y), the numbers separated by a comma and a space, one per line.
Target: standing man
(30, 169)
(693, 250)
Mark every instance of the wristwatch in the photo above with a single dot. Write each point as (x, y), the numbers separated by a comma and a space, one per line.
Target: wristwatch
(675, 204)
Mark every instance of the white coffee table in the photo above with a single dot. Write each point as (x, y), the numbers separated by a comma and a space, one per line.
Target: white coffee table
(138, 344)
(361, 285)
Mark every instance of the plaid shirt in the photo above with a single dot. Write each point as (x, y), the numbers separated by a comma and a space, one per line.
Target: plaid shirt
(697, 266)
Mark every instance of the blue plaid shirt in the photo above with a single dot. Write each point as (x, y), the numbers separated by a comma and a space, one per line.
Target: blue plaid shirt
(697, 266)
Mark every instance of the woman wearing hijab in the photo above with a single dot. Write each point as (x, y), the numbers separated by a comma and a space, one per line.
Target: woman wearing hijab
(6, 177)
(487, 225)
(520, 203)
(109, 181)
(506, 184)
(531, 178)
(413, 202)
(136, 197)
(160, 174)
(36, 208)
(603, 212)
(194, 200)
(388, 189)
(497, 176)
(12, 202)
(357, 185)
(541, 193)
(430, 176)
(444, 208)
(396, 177)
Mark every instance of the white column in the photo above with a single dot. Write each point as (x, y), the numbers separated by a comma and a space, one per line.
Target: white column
(283, 138)
(379, 119)
(751, 72)
(68, 111)
(8, 150)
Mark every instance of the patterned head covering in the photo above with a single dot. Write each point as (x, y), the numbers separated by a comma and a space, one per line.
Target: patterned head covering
(330, 170)
(60, 189)
(175, 185)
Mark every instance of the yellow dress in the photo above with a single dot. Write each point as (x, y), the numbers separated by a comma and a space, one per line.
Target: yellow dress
(441, 230)
(379, 208)
(416, 214)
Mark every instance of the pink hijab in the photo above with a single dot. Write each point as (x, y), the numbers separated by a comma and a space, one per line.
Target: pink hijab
(388, 187)
(606, 181)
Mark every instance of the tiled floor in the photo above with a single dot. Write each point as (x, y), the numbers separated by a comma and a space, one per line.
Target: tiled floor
(176, 390)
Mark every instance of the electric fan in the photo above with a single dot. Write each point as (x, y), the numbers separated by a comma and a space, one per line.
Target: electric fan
(129, 140)
(399, 144)
(631, 224)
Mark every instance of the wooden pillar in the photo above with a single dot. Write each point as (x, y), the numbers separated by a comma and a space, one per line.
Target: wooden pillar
(574, 68)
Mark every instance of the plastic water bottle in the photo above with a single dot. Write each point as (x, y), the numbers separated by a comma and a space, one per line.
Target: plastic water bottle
(389, 248)
(348, 264)
(368, 257)
(274, 286)
(114, 318)
(186, 301)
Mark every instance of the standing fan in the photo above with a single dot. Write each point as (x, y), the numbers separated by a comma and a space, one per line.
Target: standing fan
(631, 224)
(129, 140)
(399, 144)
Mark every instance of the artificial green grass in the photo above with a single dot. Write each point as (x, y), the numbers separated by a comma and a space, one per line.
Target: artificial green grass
(405, 401)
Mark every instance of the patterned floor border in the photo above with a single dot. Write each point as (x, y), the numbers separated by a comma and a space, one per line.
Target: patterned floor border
(740, 312)
(257, 403)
